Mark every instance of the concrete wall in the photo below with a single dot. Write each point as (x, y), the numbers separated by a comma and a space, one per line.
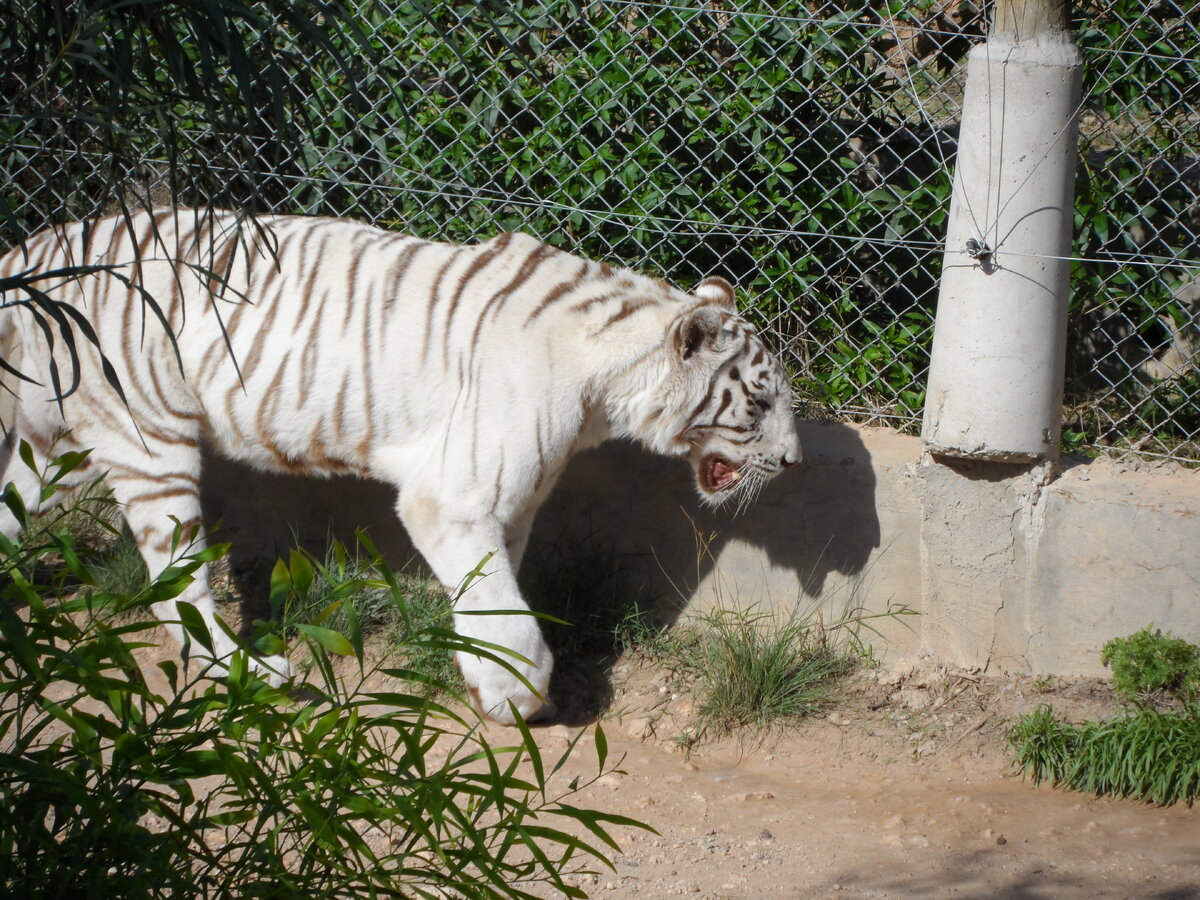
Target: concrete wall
(1005, 573)
(1031, 579)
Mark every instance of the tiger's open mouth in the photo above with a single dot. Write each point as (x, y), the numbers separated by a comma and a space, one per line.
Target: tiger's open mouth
(717, 474)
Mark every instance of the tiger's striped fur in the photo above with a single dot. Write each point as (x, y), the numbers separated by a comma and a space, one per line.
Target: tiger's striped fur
(466, 376)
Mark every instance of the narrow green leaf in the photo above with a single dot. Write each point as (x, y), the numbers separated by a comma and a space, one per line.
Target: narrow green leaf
(193, 623)
(330, 640)
(354, 627)
(16, 636)
(601, 747)
(281, 586)
(531, 747)
(301, 571)
(26, 453)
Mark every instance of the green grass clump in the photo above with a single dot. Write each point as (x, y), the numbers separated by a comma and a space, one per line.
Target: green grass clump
(755, 670)
(119, 568)
(1150, 756)
(1149, 662)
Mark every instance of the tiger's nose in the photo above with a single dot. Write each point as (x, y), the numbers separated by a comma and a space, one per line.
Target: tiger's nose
(788, 460)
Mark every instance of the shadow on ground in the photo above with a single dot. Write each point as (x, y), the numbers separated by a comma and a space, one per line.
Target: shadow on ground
(624, 535)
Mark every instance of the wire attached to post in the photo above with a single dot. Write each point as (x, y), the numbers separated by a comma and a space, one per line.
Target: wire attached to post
(978, 250)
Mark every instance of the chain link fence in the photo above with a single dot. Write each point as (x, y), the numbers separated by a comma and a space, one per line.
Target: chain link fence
(802, 150)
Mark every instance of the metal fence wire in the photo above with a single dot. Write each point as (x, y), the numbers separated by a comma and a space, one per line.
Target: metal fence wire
(803, 150)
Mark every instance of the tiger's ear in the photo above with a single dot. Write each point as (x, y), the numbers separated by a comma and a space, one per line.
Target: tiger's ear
(717, 290)
(700, 329)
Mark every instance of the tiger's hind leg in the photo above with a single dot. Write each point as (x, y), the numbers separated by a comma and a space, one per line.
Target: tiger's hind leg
(157, 490)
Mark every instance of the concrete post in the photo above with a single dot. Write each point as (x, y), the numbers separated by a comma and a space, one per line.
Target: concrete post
(996, 374)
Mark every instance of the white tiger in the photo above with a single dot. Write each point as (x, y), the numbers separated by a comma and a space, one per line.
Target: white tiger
(465, 376)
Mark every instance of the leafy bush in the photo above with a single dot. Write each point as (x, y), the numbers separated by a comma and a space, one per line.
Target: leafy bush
(169, 782)
(1149, 662)
(120, 103)
(1132, 207)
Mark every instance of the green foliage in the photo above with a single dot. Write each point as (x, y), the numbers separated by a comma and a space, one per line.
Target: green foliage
(672, 138)
(222, 95)
(355, 593)
(167, 782)
(1131, 203)
(112, 106)
(1146, 754)
(1149, 756)
(757, 669)
(1150, 662)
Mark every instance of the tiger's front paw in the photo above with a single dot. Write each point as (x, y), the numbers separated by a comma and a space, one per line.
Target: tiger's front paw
(274, 670)
(494, 690)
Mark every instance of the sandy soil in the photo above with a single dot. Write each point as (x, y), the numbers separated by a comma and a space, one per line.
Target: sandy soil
(904, 789)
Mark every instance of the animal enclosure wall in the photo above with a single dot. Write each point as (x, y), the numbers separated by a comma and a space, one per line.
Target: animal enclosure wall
(1004, 576)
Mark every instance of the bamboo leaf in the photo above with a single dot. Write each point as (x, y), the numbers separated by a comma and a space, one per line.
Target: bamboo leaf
(330, 640)
(193, 623)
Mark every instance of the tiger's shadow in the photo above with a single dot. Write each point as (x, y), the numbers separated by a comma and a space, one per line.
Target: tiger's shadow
(622, 541)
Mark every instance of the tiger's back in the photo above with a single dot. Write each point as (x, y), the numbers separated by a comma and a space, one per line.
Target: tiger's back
(466, 376)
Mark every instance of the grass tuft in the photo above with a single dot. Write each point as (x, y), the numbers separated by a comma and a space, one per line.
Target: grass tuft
(119, 567)
(1150, 755)
(754, 670)
(1147, 753)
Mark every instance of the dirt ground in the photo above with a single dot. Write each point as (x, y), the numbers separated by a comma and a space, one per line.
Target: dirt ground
(903, 789)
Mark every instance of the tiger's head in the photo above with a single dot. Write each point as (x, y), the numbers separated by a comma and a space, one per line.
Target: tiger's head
(733, 405)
